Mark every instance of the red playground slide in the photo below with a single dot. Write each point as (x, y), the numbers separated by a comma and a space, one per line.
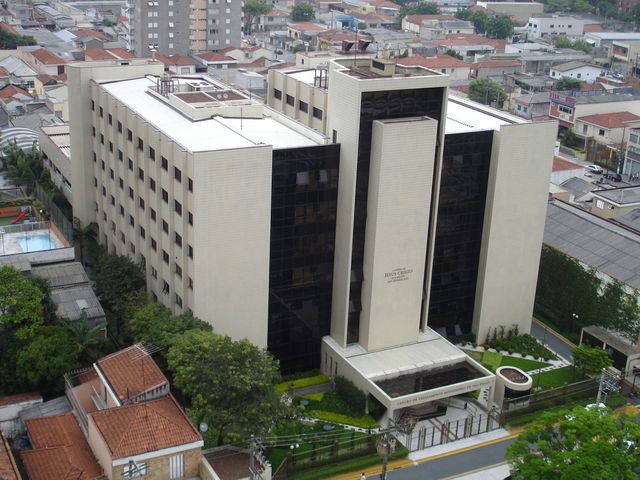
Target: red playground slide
(19, 217)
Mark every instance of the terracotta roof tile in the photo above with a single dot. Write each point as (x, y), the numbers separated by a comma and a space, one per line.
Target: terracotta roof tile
(215, 57)
(442, 61)
(307, 27)
(181, 60)
(21, 397)
(131, 372)
(87, 32)
(8, 467)
(47, 57)
(560, 164)
(11, 90)
(60, 450)
(8, 28)
(122, 53)
(276, 13)
(94, 54)
(144, 427)
(593, 27)
(4, 72)
(610, 120)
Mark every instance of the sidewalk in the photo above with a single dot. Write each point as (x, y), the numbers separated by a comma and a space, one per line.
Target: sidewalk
(434, 453)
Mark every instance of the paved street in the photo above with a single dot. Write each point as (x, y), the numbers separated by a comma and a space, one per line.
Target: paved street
(551, 340)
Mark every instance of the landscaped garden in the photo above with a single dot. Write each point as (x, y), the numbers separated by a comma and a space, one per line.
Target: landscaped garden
(556, 378)
(493, 360)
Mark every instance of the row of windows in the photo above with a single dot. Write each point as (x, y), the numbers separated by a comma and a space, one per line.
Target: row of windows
(302, 106)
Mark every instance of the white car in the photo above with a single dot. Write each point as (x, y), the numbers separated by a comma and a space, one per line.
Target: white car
(594, 169)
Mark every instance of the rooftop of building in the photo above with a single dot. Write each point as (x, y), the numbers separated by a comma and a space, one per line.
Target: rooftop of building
(565, 67)
(145, 427)
(594, 241)
(59, 135)
(577, 186)
(496, 63)
(131, 372)
(624, 197)
(613, 339)
(8, 468)
(418, 19)
(47, 57)
(610, 120)
(20, 398)
(533, 98)
(464, 115)
(307, 27)
(631, 219)
(60, 450)
(615, 35)
(250, 123)
(560, 164)
(623, 94)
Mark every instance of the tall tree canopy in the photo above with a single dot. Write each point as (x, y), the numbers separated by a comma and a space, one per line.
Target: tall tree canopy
(585, 444)
(484, 90)
(302, 12)
(252, 9)
(230, 384)
(21, 306)
(590, 361)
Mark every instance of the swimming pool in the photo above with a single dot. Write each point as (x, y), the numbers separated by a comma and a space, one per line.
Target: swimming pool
(36, 243)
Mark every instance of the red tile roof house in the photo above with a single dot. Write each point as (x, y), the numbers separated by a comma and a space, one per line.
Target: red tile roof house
(45, 61)
(124, 420)
(606, 128)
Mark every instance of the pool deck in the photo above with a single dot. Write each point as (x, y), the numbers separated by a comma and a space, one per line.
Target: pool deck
(10, 242)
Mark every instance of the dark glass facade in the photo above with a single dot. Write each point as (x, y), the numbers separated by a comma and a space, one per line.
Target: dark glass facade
(303, 227)
(461, 207)
(378, 106)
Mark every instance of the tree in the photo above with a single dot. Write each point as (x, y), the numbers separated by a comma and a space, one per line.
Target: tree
(499, 27)
(253, 9)
(484, 90)
(9, 41)
(420, 8)
(302, 12)
(91, 346)
(86, 237)
(584, 443)
(577, 44)
(153, 325)
(590, 361)
(567, 83)
(452, 53)
(568, 137)
(20, 303)
(230, 384)
(42, 363)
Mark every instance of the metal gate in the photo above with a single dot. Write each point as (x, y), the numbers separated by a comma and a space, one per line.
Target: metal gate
(447, 431)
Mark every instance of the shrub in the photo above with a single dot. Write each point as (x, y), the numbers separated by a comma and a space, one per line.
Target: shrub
(350, 394)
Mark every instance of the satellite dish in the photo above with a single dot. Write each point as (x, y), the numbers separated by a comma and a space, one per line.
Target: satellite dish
(203, 427)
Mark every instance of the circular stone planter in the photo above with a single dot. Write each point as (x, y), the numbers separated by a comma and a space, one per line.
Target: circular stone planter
(511, 382)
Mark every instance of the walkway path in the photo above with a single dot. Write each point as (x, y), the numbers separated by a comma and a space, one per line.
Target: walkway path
(552, 340)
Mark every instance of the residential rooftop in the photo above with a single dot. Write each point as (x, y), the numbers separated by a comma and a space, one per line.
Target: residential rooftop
(59, 135)
(145, 427)
(131, 372)
(624, 197)
(610, 120)
(8, 467)
(250, 124)
(565, 67)
(594, 241)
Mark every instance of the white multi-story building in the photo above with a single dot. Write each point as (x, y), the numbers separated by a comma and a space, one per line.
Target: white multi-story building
(351, 225)
(552, 24)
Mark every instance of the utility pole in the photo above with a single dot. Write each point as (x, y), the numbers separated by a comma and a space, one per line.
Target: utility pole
(255, 453)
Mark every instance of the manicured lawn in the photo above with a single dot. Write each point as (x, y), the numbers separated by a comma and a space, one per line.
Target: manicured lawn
(492, 360)
(477, 356)
(556, 378)
(302, 382)
(363, 421)
(522, 363)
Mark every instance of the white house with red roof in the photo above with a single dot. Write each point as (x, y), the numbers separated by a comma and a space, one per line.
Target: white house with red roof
(45, 61)
(606, 128)
(273, 20)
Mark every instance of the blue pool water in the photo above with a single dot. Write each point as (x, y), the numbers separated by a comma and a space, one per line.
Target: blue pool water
(36, 243)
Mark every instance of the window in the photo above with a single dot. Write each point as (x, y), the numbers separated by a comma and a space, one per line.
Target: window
(111, 173)
(120, 155)
(119, 127)
(277, 94)
(141, 202)
(190, 216)
(140, 144)
(121, 211)
(101, 112)
(93, 106)
(190, 185)
(111, 147)
(178, 270)
(317, 113)
(334, 136)
(179, 303)
(152, 213)
(190, 283)
(601, 132)
(585, 128)
(123, 239)
(165, 257)
(132, 247)
(130, 164)
(303, 106)
(141, 174)
(93, 131)
(164, 163)
(129, 135)
(564, 109)
(102, 164)
(165, 196)
(177, 174)
(113, 200)
(599, 204)
(137, 469)
(154, 244)
(121, 182)
(130, 192)
(190, 251)
(152, 154)
(178, 239)
(110, 119)
(165, 227)
(143, 234)
(131, 221)
(177, 207)
(152, 184)
(633, 138)
(291, 101)
(102, 139)
(579, 75)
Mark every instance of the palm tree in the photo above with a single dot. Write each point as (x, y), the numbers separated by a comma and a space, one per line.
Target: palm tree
(90, 345)
(85, 237)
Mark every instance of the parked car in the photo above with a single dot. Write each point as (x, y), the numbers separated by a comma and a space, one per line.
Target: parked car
(594, 169)
(616, 177)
